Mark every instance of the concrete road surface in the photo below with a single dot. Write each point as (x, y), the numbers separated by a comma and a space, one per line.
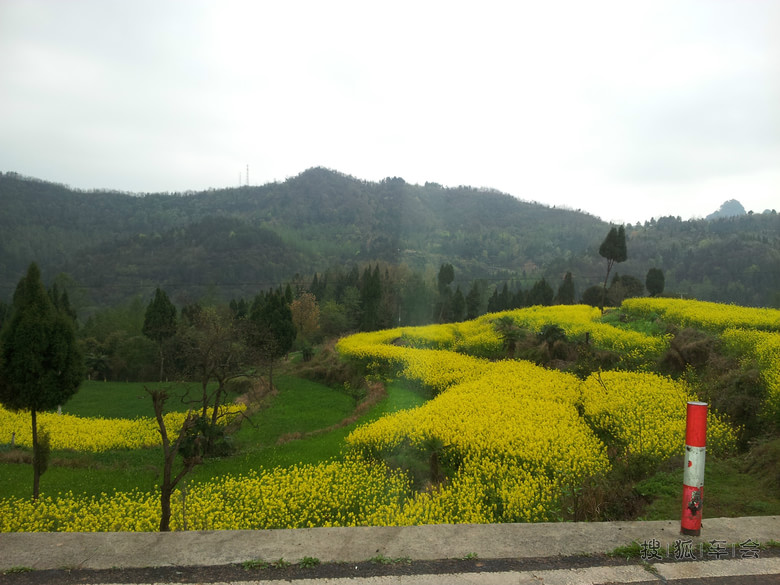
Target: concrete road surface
(729, 550)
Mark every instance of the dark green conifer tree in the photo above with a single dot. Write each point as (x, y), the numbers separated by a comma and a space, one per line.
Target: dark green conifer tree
(613, 248)
(458, 305)
(160, 323)
(473, 301)
(541, 293)
(565, 294)
(273, 332)
(40, 366)
(370, 299)
(654, 282)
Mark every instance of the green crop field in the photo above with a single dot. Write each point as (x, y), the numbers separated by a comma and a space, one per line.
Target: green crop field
(123, 399)
(301, 406)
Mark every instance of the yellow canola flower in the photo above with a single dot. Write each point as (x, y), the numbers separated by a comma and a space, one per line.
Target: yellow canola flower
(764, 347)
(645, 413)
(95, 434)
(335, 493)
(713, 317)
(436, 369)
(508, 410)
(482, 490)
(513, 411)
(635, 349)
(118, 512)
(477, 338)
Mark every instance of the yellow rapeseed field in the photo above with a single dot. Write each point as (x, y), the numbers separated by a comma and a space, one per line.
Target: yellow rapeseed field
(714, 317)
(515, 436)
(344, 493)
(95, 434)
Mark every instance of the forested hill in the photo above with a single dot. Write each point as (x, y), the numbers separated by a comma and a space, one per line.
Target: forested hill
(241, 240)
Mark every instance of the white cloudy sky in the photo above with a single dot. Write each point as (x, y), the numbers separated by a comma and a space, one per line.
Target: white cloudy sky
(626, 109)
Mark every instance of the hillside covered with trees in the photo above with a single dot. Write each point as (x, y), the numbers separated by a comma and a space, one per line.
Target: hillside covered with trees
(233, 243)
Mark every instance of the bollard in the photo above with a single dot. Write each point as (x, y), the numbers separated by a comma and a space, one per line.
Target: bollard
(693, 477)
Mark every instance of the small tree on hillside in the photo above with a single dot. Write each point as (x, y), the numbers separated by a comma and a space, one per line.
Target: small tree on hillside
(61, 302)
(473, 301)
(592, 295)
(40, 365)
(541, 293)
(271, 331)
(160, 322)
(5, 310)
(654, 282)
(306, 318)
(212, 351)
(370, 299)
(187, 443)
(443, 309)
(458, 305)
(624, 287)
(613, 248)
(565, 294)
(510, 334)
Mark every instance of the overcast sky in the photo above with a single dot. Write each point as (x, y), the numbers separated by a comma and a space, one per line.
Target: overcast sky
(627, 110)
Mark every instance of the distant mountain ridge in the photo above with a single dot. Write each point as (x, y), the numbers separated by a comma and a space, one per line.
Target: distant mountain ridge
(242, 240)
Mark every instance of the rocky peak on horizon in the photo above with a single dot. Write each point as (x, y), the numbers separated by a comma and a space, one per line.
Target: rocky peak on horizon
(730, 208)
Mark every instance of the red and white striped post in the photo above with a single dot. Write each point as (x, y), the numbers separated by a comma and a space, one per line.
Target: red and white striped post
(693, 478)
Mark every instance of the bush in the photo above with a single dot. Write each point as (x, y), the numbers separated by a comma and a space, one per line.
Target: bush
(732, 387)
(689, 348)
(738, 393)
(763, 460)
(593, 295)
(327, 367)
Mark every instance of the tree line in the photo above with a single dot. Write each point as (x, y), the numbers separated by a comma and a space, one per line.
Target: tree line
(116, 343)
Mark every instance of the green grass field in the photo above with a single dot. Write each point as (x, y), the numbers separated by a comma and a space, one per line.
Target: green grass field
(731, 488)
(301, 406)
(125, 399)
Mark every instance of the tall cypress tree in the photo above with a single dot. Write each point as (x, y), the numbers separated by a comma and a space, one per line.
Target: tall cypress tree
(654, 282)
(541, 293)
(613, 248)
(160, 322)
(273, 330)
(443, 309)
(472, 301)
(40, 367)
(565, 294)
(458, 305)
(370, 298)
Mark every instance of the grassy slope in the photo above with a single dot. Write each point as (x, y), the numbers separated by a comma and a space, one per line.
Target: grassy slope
(742, 485)
(257, 446)
(123, 399)
(300, 406)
